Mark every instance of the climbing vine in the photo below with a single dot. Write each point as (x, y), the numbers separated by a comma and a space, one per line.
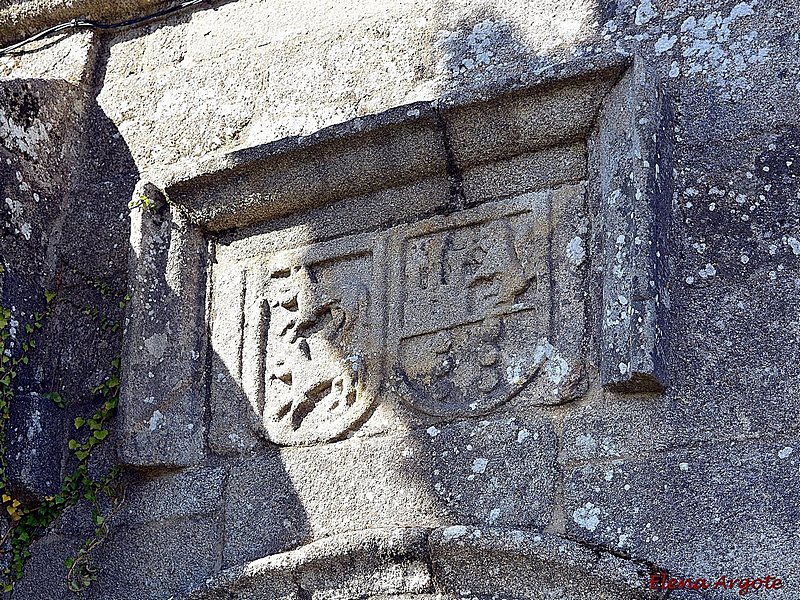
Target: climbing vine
(27, 521)
(143, 201)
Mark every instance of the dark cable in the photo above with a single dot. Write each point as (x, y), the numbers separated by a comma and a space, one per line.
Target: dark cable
(89, 24)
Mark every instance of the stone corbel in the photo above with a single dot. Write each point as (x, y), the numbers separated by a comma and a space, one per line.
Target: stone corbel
(631, 175)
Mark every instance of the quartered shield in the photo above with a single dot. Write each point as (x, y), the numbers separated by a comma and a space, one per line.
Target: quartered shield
(471, 307)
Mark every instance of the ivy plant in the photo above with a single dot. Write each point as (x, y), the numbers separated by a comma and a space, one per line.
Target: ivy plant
(28, 521)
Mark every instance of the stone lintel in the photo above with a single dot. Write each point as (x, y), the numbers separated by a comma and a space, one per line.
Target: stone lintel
(392, 148)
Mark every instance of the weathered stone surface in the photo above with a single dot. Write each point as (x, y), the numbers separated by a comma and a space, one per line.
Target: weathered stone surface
(72, 60)
(653, 507)
(185, 493)
(299, 174)
(254, 71)
(542, 169)
(613, 426)
(263, 514)
(234, 422)
(162, 395)
(34, 452)
(482, 563)
(39, 132)
(489, 471)
(46, 575)
(40, 144)
(188, 552)
(547, 115)
(304, 72)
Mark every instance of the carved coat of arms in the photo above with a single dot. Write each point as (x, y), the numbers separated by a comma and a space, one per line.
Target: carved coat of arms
(319, 379)
(452, 316)
(470, 298)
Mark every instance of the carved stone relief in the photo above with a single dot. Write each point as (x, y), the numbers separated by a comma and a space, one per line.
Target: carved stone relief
(471, 307)
(452, 315)
(317, 377)
(352, 269)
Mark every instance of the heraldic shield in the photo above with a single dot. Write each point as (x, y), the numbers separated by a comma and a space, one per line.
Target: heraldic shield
(471, 300)
(319, 379)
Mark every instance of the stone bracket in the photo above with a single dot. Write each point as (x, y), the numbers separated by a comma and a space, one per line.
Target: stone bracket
(162, 395)
(630, 166)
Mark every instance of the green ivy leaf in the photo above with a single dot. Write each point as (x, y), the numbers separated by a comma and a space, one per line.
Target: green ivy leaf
(56, 399)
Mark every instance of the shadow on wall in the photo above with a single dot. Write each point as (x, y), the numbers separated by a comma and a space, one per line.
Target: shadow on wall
(66, 177)
(502, 44)
(61, 224)
(63, 180)
(303, 344)
(179, 526)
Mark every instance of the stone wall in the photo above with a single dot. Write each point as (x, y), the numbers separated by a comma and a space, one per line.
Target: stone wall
(284, 131)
